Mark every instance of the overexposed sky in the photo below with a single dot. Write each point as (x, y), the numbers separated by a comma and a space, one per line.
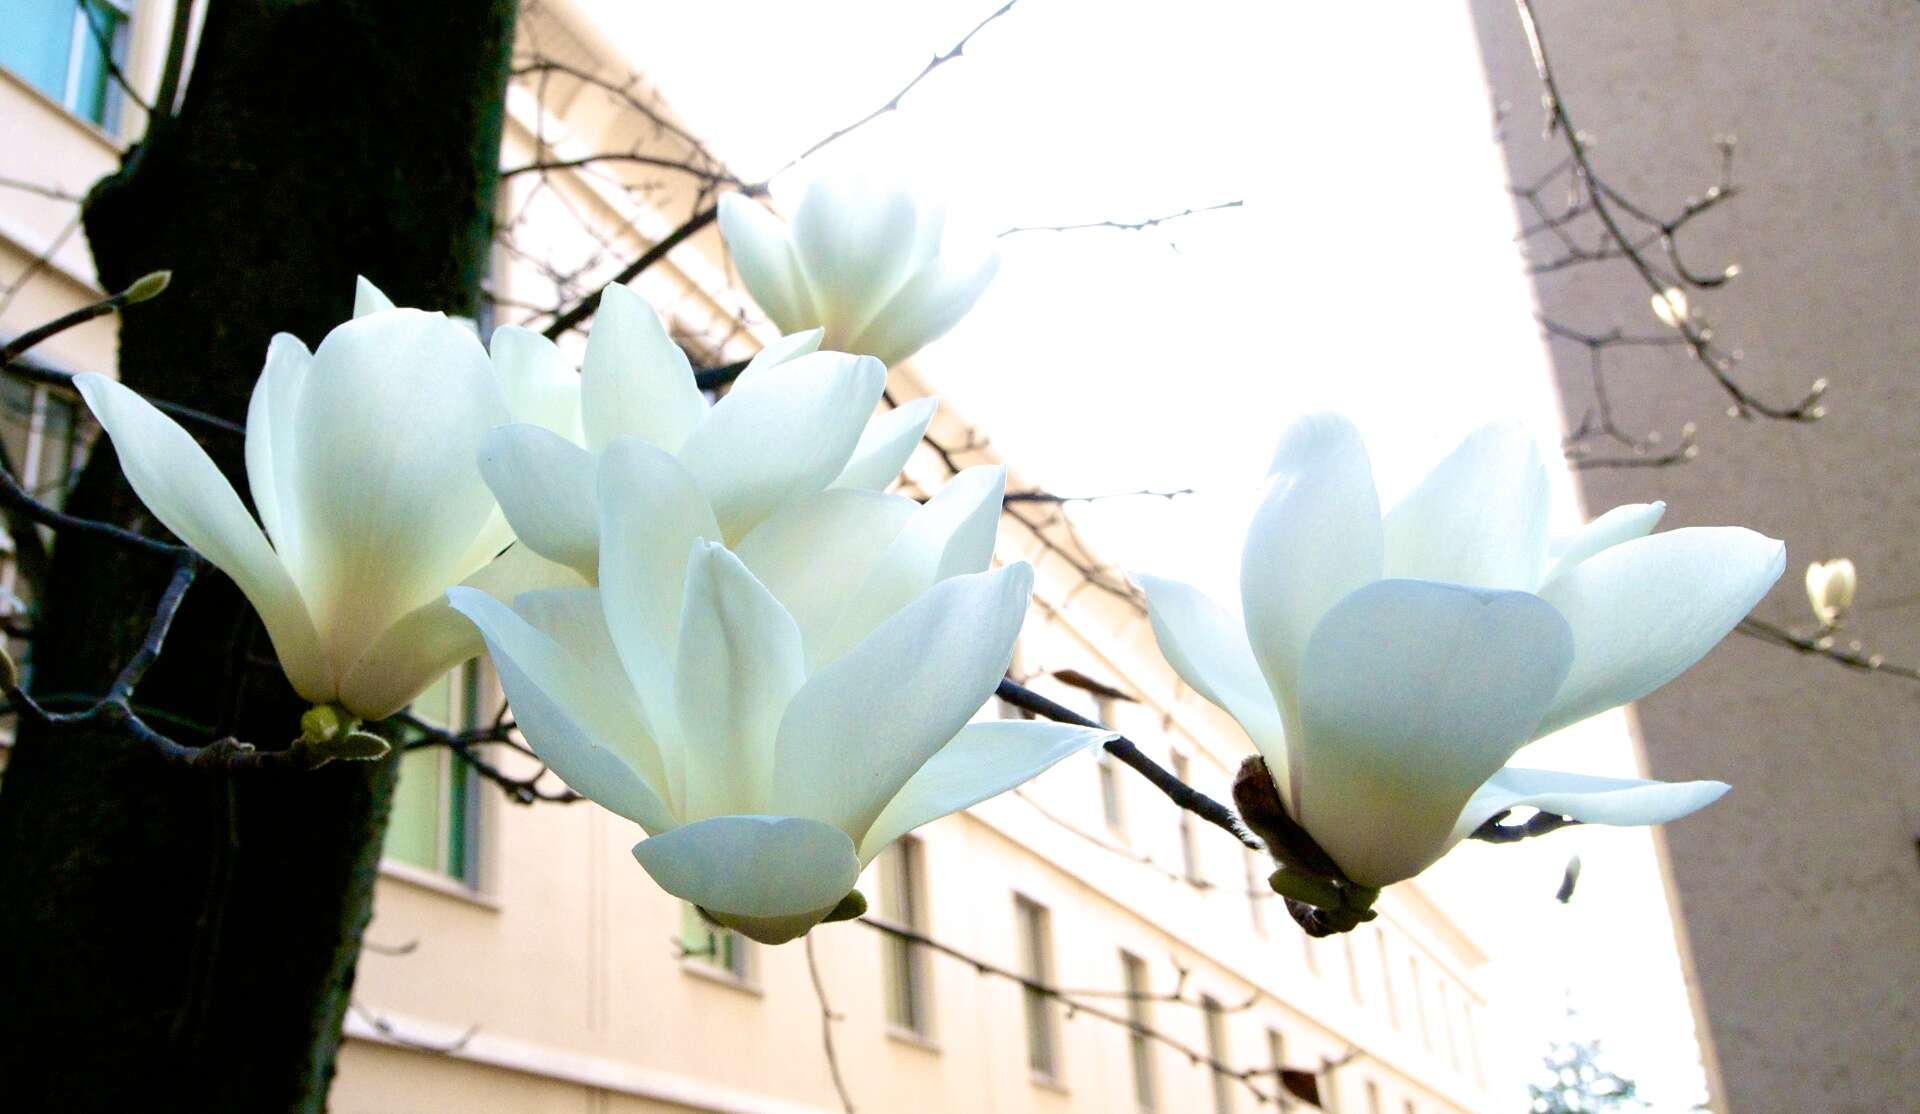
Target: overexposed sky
(1372, 270)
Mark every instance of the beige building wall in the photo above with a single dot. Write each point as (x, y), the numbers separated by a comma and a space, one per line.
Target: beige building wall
(546, 972)
(1800, 892)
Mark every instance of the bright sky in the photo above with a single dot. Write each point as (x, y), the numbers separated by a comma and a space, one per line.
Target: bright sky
(1371, 270)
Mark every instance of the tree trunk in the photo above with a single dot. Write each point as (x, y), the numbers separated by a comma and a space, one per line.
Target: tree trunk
(175, 939)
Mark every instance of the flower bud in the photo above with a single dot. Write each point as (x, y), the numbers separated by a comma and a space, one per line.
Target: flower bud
(1670, 306)
(1830, 586)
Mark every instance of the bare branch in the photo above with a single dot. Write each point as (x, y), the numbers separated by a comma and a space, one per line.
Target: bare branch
(1124, 226)
(827, 1018)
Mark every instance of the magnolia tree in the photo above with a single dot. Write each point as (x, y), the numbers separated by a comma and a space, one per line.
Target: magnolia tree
(710, 615)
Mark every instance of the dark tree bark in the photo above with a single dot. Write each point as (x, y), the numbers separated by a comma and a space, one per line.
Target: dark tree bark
(175, 939)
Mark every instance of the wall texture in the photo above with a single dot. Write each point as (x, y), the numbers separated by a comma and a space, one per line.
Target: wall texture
(1800, 892)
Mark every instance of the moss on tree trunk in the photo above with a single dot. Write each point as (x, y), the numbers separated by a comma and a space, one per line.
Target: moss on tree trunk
(177, 939)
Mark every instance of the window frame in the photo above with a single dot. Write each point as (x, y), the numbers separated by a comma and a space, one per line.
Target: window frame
(1033, 931)
(727, 957)
(1214, 1017)
(1146, 1076)
(905, 971)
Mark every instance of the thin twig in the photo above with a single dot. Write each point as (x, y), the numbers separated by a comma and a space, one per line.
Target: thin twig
(1123, 226)
(827, 1018)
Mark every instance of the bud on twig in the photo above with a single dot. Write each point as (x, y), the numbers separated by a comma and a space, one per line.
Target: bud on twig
(147, 286)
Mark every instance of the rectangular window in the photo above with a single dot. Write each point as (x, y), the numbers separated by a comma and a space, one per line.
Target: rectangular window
(1386, 977)
(63, 48)
(1189, 857)
(1353, 967)
(1277, 1058)
(905, 973)
(1257, 886)
(1217, 1052)
(434, 824)
(1446, 1024)
(1468, 1027)
(1133, 971)
(1110, 789)
(720, 948)
(1419, 1001)
(1373, 1097)
(1036, 964)
(44, 433)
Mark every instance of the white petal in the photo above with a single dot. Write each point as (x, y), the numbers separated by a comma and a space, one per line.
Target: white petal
(635, 379)
(271, 428)
(983, 760)
(1412, 693)
(1645, 610)
(367, 297)
(1480, 517)
(952, 534)
(862, 726)
(433, 638)
(930, 304)
(1621, 524)
(887, 443)
(757, 241)
(854, 246)
(739, 664)
(555, 706)
(1623, 802)
(651, 512)
(1208, 647)
(605, 703)
(1315, 538)
(815, 556)
(540, 387)
(547, 488)
(179, 483)
(782, 437)
(387, 488)
(770, 867)
(784, 350)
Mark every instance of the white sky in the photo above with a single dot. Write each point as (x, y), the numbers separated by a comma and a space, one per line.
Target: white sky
(1371, 270)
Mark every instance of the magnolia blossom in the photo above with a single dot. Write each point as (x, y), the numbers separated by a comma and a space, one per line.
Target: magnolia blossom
(774, 714)
(1830, 586)
(864, 264)
(796, 422)
(360, 458)
(1387, 666)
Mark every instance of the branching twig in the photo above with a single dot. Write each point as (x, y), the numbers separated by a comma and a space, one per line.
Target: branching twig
(827, 1018)
(1123, 226)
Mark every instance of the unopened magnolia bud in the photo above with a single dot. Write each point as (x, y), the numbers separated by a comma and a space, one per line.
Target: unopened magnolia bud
(322, 723)
(147, 286)
(1830, 587)
(851, 906)
(1670, 306)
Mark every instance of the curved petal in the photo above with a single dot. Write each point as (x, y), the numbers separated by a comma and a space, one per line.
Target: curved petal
(1623, 802)
(887, 443)
(1208, 647)
(1412, 693)
(635, 380)
(739, 664)
(1643, 611)
(762, 867)
(1621, 524)
(271, 429)
(858, 729)
(983, 760)
(540, 387)
(558, 711)
(572, 616)
(1480, 517)
(784, 350)
(368, 298)
(757, 241)
(1315, 538)
(387, 487)
(651, 512)
(952, 534)
(179, 483)
(784, 436)
(929, 305)
(433, 638)
(547, 488)
(854, 245)
(814, 556)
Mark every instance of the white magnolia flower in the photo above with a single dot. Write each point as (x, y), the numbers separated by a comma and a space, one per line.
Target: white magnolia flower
(361, 461)
(796, 422)
(1389, 666)
(864, 264)
(774, 714)
(1830, 587)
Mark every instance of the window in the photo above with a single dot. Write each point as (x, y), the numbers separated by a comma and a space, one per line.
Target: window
(1408, 1108)
(44, 434)
(1277, 1058)
(1353, 967)
(1217, 1052)
(1473, 1043)
(1189, 859)
(1256, 887)
(1446, 1023)
(435, 820)
(1373, 1097)
(721, 949)
(1133, 972)
(1109, 789)
(66, 49)
(1419, 1001)
(1036, 964)
(1386, 977)
(905, 971)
